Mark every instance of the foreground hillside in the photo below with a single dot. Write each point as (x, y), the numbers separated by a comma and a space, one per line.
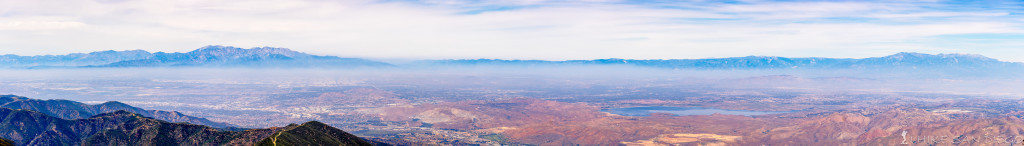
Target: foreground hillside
(26, 127)
(67, 109)
(311, 133)
(30, 127)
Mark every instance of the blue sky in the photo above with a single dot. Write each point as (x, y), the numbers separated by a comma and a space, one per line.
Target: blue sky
(525, 29)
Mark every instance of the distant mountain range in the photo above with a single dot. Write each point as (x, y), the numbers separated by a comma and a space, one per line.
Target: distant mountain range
(896, 61)
(32, 127)
(226, 56)
(209, 56)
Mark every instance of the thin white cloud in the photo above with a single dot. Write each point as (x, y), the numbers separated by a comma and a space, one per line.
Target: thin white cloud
(803, 7)
(39, 25)
(554, 30)
(941, 14)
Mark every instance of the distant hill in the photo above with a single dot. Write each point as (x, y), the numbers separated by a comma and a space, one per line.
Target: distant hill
(26, 127)
(67, 109)
(209, 56)
(896, 61)
(72, 60)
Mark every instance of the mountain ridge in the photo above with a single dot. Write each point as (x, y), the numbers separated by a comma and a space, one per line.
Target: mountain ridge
(271, 57)
(27, 127)
(44, 122)
(67, 109)
(898, 60)
(227, 56)
(208, 56)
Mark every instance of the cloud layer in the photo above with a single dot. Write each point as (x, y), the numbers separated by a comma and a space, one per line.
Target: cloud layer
(533, 29)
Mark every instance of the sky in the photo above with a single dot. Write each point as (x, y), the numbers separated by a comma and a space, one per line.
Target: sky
(523, 29)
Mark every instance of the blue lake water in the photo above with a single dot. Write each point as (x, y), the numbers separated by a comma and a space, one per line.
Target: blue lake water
(683, 111)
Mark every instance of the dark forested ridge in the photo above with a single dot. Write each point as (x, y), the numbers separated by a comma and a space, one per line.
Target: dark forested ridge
(67, 109)
(26, 126)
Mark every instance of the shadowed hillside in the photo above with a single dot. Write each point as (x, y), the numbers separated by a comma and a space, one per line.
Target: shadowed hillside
(312, 133)
(67, 109)
(25, 127)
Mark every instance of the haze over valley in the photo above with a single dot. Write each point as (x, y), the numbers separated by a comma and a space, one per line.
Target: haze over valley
(512, 102)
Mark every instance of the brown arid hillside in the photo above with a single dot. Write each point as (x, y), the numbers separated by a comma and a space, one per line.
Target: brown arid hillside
(544, 122)
(887, 128)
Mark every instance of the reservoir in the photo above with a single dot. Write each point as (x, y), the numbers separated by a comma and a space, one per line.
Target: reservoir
(683, 111)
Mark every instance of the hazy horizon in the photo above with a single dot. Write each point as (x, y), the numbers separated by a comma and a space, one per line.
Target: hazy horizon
(410, 60)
